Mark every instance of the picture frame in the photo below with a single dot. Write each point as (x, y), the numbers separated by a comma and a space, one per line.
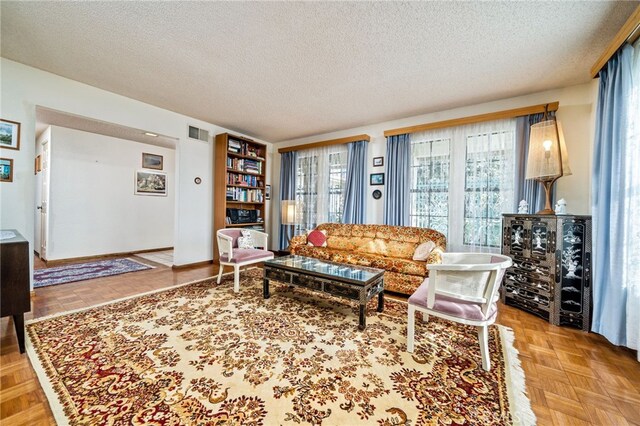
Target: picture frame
(378, 161)
(150, 183)
(267, 192)
(6, 170)
(9, 134)
(376, 179)
(152, 161)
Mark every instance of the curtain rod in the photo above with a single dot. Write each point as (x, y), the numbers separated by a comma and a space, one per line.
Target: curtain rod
(509, 113)
(329, 142)
(630, 32)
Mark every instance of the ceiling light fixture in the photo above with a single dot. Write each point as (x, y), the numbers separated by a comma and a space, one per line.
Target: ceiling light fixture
(151, 134)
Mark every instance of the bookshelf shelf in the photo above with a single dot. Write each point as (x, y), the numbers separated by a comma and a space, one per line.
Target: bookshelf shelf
(239, 225)
(239, 181)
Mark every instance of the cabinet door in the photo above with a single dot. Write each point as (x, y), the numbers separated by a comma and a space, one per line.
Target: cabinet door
(571, 265)
(541, 239)
(516, 231)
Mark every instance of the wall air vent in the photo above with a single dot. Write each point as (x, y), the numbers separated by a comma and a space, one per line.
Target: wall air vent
(200, 134)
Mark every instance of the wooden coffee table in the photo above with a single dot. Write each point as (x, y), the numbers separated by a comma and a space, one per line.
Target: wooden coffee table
(351, 282)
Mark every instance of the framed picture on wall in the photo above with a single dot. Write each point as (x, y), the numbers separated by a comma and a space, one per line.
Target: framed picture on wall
(9, 134)
(267, 192)
(378, 161)
(6, 170)
(151, 183)
(376, 179)
(152, 161)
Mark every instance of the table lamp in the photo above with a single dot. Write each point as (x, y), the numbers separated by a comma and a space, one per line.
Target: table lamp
(547, 160)
(288, 215)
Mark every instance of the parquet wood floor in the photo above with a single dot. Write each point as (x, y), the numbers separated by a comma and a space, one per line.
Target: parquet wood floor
(573, 378)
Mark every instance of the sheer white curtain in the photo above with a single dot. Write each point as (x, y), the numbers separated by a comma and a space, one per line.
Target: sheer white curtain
(631, 249)
(320, 180)
(462, 180)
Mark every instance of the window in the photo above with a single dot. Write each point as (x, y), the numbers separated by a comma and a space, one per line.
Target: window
(488, 190)
(337, 180)
(462, 180)
(320, 180)
(429, 195)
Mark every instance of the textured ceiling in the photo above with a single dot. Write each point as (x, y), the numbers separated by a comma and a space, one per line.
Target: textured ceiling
(284, 70)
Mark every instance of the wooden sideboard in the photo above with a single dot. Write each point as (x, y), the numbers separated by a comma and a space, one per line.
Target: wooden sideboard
(14, 281)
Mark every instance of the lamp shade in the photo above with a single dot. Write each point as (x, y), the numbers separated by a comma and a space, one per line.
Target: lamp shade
(288, 211)
(547, 157)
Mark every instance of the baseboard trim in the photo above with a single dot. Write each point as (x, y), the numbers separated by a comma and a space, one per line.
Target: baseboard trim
(101, 256)
(191, 265)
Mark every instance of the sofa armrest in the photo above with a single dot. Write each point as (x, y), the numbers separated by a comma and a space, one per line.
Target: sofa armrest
(297, 241)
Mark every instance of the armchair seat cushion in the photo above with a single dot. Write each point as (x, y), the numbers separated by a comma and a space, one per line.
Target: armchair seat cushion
(450, 305)
(244, 255)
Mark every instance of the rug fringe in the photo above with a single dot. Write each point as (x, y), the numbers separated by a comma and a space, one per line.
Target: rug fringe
(522, 412)
(57, 409)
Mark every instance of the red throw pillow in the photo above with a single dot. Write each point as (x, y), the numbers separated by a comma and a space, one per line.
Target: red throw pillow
(317, 238)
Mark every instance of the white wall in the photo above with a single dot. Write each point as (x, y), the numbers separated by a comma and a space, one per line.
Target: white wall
(23, 87)
(92, 206)
(576, 113)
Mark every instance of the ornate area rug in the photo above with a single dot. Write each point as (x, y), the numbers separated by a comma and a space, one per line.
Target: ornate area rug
(85, 271)
(199, 354)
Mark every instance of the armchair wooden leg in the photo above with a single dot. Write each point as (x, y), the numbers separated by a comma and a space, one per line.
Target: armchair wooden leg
(236, 278)
(411, 320)
(220, 273)
(483, 339)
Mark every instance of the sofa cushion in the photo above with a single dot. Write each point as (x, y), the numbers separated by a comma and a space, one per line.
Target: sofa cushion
(322, 253)
(402, 266)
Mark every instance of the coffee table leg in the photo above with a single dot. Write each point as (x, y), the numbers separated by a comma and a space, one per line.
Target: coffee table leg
(381, 301)
(363, 317)
(265, 288)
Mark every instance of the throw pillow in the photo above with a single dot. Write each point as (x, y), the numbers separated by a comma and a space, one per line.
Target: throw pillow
(317, 238)
(246, 241)
(423, 251)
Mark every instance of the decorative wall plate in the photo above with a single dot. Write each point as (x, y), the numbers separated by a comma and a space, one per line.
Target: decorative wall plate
(377, 194)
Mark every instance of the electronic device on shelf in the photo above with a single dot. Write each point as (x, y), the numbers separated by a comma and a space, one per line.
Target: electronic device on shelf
(239, 216)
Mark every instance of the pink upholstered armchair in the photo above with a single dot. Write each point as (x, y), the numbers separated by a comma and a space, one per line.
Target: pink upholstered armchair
(464, 289)
(232, 255)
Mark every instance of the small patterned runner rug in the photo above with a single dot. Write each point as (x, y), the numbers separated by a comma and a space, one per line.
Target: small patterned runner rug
(85, 271)
(200, 354)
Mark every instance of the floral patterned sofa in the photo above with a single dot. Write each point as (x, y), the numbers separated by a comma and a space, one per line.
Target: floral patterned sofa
(379, 246)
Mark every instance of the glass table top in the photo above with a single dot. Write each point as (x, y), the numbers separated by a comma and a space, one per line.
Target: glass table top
(325, 267)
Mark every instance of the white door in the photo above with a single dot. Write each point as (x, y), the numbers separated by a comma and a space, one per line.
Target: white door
(44, 201)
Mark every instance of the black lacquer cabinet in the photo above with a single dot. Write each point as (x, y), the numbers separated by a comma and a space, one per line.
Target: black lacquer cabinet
(14, 282)
(551, 272)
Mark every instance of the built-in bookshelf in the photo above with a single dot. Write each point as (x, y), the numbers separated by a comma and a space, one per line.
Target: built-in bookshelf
(239, 184)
